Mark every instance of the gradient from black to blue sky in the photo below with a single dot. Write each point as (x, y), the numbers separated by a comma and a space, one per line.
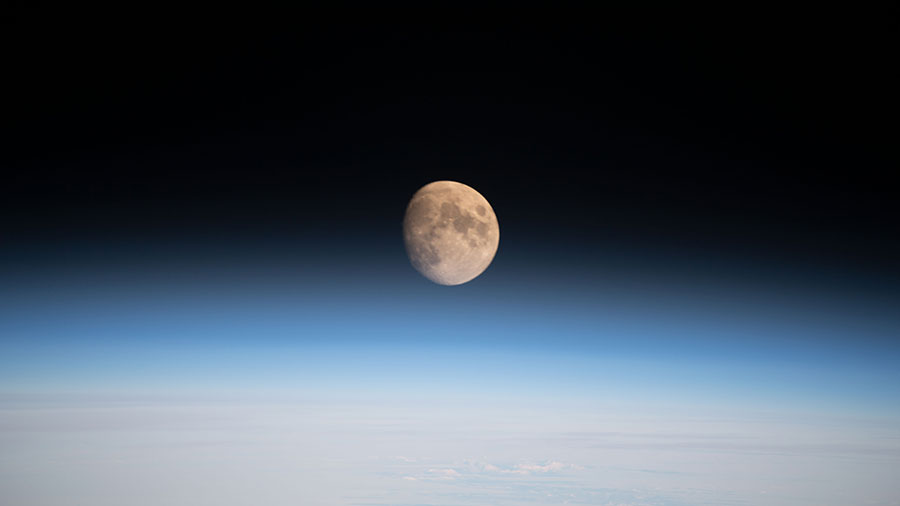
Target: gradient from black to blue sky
(695, 210)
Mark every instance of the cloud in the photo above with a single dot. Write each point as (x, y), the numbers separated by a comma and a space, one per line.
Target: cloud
(477, 466)
(444, 474)
(549, 467)
(523, 468)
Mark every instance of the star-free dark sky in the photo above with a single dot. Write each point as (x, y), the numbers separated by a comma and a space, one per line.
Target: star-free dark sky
(764, 135)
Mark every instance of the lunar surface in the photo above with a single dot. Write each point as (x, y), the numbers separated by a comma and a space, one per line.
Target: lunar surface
(451, 232)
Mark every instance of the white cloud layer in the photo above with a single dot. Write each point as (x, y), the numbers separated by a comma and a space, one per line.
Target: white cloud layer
(320, 453)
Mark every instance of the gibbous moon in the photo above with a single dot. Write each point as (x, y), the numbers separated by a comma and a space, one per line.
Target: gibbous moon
(451, 232)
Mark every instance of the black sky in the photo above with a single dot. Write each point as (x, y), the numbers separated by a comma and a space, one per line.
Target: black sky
(770, 134)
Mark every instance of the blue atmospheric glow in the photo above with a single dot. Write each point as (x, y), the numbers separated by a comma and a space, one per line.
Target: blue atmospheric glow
(507, 334)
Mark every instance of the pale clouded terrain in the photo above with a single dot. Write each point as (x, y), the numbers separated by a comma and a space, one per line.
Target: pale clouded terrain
(383, 451)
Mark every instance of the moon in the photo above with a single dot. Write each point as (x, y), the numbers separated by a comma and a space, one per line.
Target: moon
(451, 232)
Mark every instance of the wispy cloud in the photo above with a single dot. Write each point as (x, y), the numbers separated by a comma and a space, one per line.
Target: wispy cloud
(478, 468)
(444, 474)
(550, 466)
